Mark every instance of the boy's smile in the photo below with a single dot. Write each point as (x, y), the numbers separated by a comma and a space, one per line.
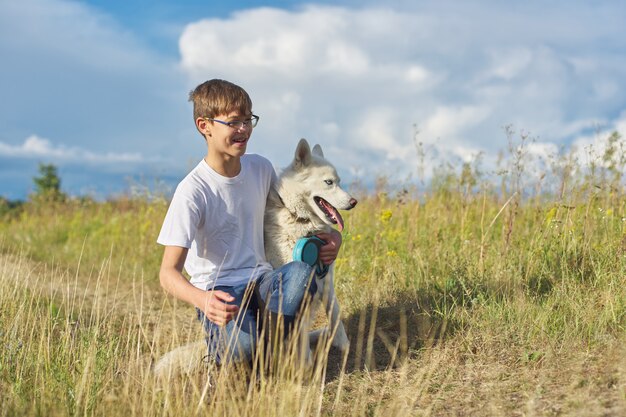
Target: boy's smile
(227, 138)
(237, 138)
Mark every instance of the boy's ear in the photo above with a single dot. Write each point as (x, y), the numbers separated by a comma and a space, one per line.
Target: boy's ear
(203, 126)
(303, 154)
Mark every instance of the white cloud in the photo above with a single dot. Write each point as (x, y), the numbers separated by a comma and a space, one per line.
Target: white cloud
(509, 63)
(352, 78)
(364, 76)
(417, 74)
(72, 32)
(375, 133)
(316, 41)
(37, 147)
(591, 148)
(451, 122)
(543, 150)
(69, 70)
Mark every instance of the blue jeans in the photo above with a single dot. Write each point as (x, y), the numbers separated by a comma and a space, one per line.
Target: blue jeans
(279, 291)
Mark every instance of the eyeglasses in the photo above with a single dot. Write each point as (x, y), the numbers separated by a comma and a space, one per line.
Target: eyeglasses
(238, 125)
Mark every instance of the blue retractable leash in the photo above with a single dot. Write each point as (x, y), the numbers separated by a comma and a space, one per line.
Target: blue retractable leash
(307, 250)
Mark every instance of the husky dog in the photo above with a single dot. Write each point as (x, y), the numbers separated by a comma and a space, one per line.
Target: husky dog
(303, 202)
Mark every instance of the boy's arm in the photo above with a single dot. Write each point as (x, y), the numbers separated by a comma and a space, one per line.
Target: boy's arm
(212, 303)
(329, 252)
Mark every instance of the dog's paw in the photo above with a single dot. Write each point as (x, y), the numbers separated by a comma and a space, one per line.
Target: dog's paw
(344, 347)
(182, 360)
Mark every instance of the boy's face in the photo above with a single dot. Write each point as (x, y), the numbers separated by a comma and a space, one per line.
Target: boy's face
(226, 141)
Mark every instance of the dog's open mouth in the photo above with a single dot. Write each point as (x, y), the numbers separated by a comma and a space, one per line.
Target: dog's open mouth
(330, 212)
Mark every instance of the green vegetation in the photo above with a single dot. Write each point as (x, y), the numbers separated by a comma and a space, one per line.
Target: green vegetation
(475, 299)
(48, 184)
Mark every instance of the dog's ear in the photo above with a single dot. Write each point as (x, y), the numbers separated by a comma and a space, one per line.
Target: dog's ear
(303, 154)
(317, 150)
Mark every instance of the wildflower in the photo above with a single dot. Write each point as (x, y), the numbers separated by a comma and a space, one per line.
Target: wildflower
(385, 216)
(392, 253)
(391, 234)
(357, 237)
(550, 216)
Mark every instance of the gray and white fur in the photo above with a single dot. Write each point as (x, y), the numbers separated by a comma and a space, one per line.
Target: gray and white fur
(303, 202)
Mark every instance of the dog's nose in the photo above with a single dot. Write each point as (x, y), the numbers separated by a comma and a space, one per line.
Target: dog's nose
(353, 202)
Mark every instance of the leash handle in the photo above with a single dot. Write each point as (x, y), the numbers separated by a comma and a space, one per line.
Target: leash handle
(307, 250)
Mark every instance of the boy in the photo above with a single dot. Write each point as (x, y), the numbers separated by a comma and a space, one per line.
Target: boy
(214, 229)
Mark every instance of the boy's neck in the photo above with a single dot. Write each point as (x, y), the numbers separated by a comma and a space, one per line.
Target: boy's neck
(228, 167)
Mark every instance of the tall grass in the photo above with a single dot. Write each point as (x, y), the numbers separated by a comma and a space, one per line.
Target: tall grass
(475, 298)
(122, 231)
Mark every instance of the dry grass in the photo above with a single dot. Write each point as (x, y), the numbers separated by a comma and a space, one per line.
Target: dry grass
(465, 301)
(425, 340)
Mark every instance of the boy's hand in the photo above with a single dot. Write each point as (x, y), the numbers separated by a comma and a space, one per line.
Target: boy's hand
(214, 304)
(329, 252)
(217, 308)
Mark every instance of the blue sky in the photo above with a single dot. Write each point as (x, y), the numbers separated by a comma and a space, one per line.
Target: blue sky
(99, 88)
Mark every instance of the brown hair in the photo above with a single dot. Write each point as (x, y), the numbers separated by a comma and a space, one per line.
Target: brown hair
(215, 97)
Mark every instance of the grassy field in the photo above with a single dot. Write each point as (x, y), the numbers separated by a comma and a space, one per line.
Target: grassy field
(473, 299)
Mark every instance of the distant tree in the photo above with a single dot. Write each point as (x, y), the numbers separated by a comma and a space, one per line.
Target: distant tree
(9, 207)
(48, 183)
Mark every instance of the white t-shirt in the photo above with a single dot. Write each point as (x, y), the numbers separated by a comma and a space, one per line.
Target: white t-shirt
(220, 221)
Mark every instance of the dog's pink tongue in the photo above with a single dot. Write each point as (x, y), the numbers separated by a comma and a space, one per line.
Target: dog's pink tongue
(333, 214)
(338, 219)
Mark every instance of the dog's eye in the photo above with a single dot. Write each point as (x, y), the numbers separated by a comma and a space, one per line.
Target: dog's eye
(328, 182)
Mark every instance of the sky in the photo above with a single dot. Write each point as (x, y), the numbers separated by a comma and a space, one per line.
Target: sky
(99, 88)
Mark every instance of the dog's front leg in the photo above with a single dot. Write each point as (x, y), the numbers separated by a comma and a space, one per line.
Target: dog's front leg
(340, 338)
(335, 327)
(305, 355)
